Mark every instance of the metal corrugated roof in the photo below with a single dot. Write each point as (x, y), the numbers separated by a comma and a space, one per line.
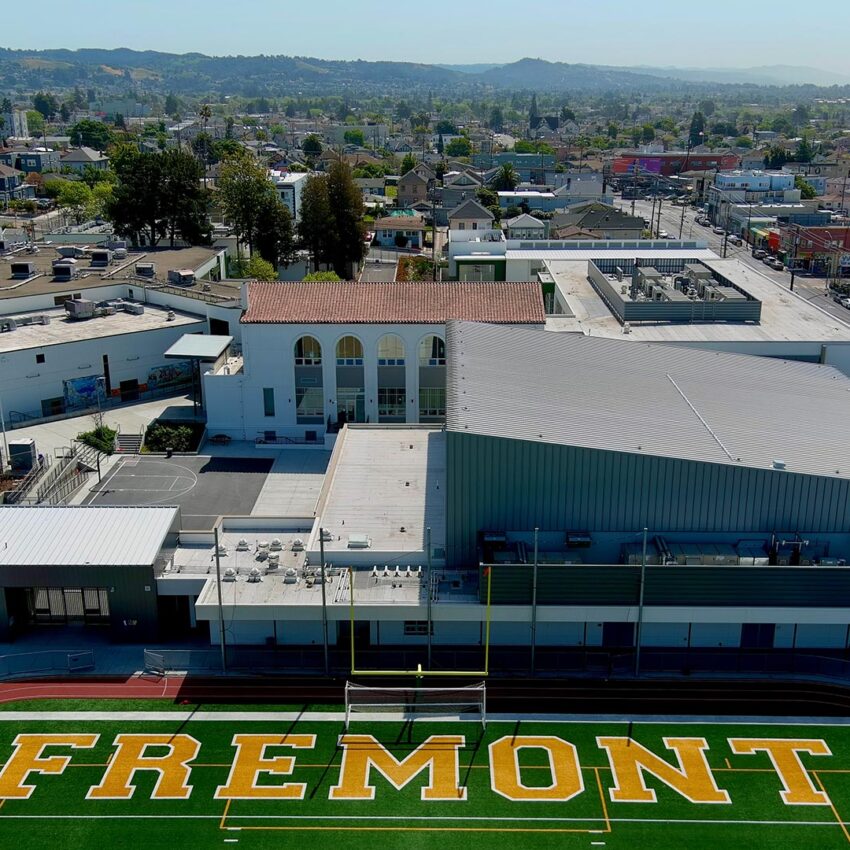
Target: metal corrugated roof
(201, 346)
(649, 399)
(82, 536)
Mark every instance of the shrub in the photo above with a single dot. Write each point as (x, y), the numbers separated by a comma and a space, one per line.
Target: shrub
(100, 438)
(161, 436)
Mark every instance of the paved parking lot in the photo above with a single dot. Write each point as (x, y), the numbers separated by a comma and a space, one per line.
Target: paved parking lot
(204, 487)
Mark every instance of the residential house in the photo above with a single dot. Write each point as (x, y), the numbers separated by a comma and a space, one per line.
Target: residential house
(78, 159)
(371, 187)
(15, 124)
(412, 188)
(598, 220)
(12, 186)
(30, 160)
(458, 187)
(525, 227)
(470, 215)
(400, 231)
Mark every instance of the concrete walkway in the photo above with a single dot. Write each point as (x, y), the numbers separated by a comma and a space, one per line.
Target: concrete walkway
(130, 418)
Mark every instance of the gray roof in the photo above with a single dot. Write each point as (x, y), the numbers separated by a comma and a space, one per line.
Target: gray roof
(525, 220)
(471, 209)
(595, 216)
(640, 398)
(83, 536)
(83, 154)
(199, 347)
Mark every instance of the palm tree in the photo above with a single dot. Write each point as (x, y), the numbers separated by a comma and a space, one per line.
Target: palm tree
(506, 180)
(205, 114)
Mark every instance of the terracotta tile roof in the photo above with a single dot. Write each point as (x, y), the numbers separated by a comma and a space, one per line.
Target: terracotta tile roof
(415, 302)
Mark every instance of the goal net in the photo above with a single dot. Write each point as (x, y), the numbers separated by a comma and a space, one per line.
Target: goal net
(412, 702)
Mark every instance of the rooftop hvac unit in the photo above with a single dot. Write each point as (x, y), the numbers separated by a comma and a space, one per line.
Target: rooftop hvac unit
(263, 544)
(326, 536)
(276, 545)
(242, 545)
(22, 269)
(135, 309)
(22, 454)
(120, 253)
(8, 325)
(290, 576)
(222, 549)
(170, 316)
(229, 574)
(298, 543)
(181, 277)
(63, 271)
(101, 257)
(274, 561)
(359, 541)
(146, 269)
(627, 328)
(254, 575)
(70, 251)
(79, 308)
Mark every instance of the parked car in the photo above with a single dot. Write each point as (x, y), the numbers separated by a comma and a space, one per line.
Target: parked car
(776, 264)
(704, 222)
(845, 302)
(663, 234)
(720, 231)
(736, 240)
(759, 253)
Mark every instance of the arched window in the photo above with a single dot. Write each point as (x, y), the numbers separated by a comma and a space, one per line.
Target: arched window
(391, 350)
(308, 351)
(349, 352)
(432, 351)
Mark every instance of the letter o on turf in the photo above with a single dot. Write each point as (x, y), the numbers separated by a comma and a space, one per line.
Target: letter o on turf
(564, 769)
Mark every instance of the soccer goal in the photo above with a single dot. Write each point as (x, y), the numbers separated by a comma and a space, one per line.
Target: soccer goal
(414, 701)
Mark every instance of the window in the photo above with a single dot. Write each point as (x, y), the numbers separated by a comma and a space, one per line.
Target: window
(391, 401)
(308, 352)
(461, 225)
(309, 403)
(432, 351)
(417, 628)
(268, 401)
(349, 352)
(39, 358)
(391, 350)
(432, 401)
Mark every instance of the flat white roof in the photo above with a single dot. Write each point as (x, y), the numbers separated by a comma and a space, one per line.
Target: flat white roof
(608, 254)
(386, 479)
(42, 535)
(199, 346)
(785, 316)
(63, 330)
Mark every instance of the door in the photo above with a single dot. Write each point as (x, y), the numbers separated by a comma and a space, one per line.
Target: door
(757, 635)
(351, 406)
(130, 390)
(618, 634)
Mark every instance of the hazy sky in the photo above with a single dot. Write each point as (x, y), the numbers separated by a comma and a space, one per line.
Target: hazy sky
(720, 33)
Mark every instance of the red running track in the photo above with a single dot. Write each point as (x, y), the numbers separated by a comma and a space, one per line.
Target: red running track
(136, 687)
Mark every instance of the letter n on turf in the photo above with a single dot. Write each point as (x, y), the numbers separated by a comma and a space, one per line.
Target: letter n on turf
(438, 755)
(28, 757)
(172, 767)
(692, 778)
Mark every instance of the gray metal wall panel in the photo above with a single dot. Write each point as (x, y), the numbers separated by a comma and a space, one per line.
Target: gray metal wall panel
(511, 485)
(756, 587)
(128, 601)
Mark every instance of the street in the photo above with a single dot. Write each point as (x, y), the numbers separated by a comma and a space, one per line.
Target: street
(811, 288)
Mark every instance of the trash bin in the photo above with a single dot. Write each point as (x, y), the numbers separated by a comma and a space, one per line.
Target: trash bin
(169, 451)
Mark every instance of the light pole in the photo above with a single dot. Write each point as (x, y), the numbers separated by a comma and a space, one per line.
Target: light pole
(640, 604)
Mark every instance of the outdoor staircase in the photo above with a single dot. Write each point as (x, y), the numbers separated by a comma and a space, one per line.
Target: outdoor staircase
(128, 444)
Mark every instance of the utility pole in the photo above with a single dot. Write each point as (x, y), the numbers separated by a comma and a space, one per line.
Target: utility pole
(793, 263)
(658, 226)
(534, 606)
(640, 604)
(430, 588)
(220, 605)
(324, 600)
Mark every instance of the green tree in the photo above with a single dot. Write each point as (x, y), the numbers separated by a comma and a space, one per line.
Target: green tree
(460, 146)
(506, 179)
(274, 237)
(647, 133)
(92, 134)
(243, 188)
(261, 269)
(172, 103)
(707, 108)
(446, 127)
(331, 226)
(354, 137)
(35, 122)
(533, 111)
(805, 152)
(800, 116)
(775, 157)
(497, 119)
(807, 191)
(46, 104)
(101, 197)
(319, 276)
(184, 204)
(567, 114)
(312, 145)
(77, 199)
(408, 163)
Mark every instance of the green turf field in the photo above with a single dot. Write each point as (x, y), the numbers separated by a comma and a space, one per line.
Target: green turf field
(59, 815)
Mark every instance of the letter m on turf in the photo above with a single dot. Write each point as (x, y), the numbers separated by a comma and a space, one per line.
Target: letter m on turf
(361, 753)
